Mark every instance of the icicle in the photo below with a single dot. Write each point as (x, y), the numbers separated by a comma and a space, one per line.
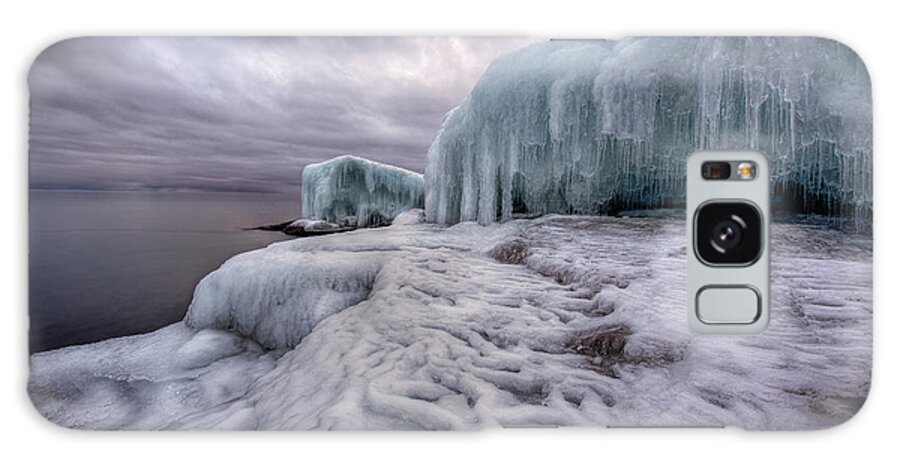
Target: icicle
(595, 127)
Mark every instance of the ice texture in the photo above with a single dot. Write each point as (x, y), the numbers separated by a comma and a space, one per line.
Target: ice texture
(355, 192)
(596, 127)
(148, 381)
(559, 320)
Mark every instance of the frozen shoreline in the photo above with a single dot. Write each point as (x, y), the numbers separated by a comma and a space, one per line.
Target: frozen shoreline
(559, 320)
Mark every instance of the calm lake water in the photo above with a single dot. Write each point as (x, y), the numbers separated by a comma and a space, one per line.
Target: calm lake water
(108, 264)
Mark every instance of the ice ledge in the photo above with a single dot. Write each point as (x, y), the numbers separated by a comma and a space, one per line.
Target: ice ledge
(276, 295)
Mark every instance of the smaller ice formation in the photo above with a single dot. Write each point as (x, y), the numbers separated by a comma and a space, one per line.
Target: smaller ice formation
(355, 192)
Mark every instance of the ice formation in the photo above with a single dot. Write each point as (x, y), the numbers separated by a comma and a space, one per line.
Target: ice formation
(594, 127)
(279, 302)
(560, 320)
(356, 192)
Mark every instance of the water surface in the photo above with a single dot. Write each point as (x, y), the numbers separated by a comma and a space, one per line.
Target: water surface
(108, 264)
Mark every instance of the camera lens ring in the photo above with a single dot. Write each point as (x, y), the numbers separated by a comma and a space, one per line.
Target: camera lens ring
(743, 243)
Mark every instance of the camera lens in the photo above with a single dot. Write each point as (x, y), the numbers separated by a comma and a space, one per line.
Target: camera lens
(728, 233)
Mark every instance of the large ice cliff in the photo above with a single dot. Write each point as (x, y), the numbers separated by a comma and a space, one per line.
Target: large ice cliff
(595, 127)
(356, 192)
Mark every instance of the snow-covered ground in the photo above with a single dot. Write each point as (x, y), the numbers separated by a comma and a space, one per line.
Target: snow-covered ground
(559, 320)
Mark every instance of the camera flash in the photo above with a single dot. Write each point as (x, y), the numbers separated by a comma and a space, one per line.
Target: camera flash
(746, 170)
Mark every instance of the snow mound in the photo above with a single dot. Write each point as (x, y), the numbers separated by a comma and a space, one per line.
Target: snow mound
(561, 320)
(410, 217)
(355, 192)
(596, 127)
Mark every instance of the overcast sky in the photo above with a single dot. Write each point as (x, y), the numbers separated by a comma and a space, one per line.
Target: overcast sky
(239, 114)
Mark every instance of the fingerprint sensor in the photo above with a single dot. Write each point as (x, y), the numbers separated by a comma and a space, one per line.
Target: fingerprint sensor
(728, 304)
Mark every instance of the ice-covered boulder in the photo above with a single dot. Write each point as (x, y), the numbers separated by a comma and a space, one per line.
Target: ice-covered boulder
(596, 127)
(276, 295)
(355, 192)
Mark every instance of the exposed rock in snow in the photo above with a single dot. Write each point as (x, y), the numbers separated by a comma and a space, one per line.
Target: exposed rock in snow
(356, 192)
(594, 127)
(307, 227)
(559, 320)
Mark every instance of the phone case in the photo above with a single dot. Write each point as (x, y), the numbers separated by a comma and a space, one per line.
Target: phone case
(517, 262)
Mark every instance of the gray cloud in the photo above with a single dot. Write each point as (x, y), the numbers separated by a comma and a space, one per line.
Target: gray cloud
(239, 114)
